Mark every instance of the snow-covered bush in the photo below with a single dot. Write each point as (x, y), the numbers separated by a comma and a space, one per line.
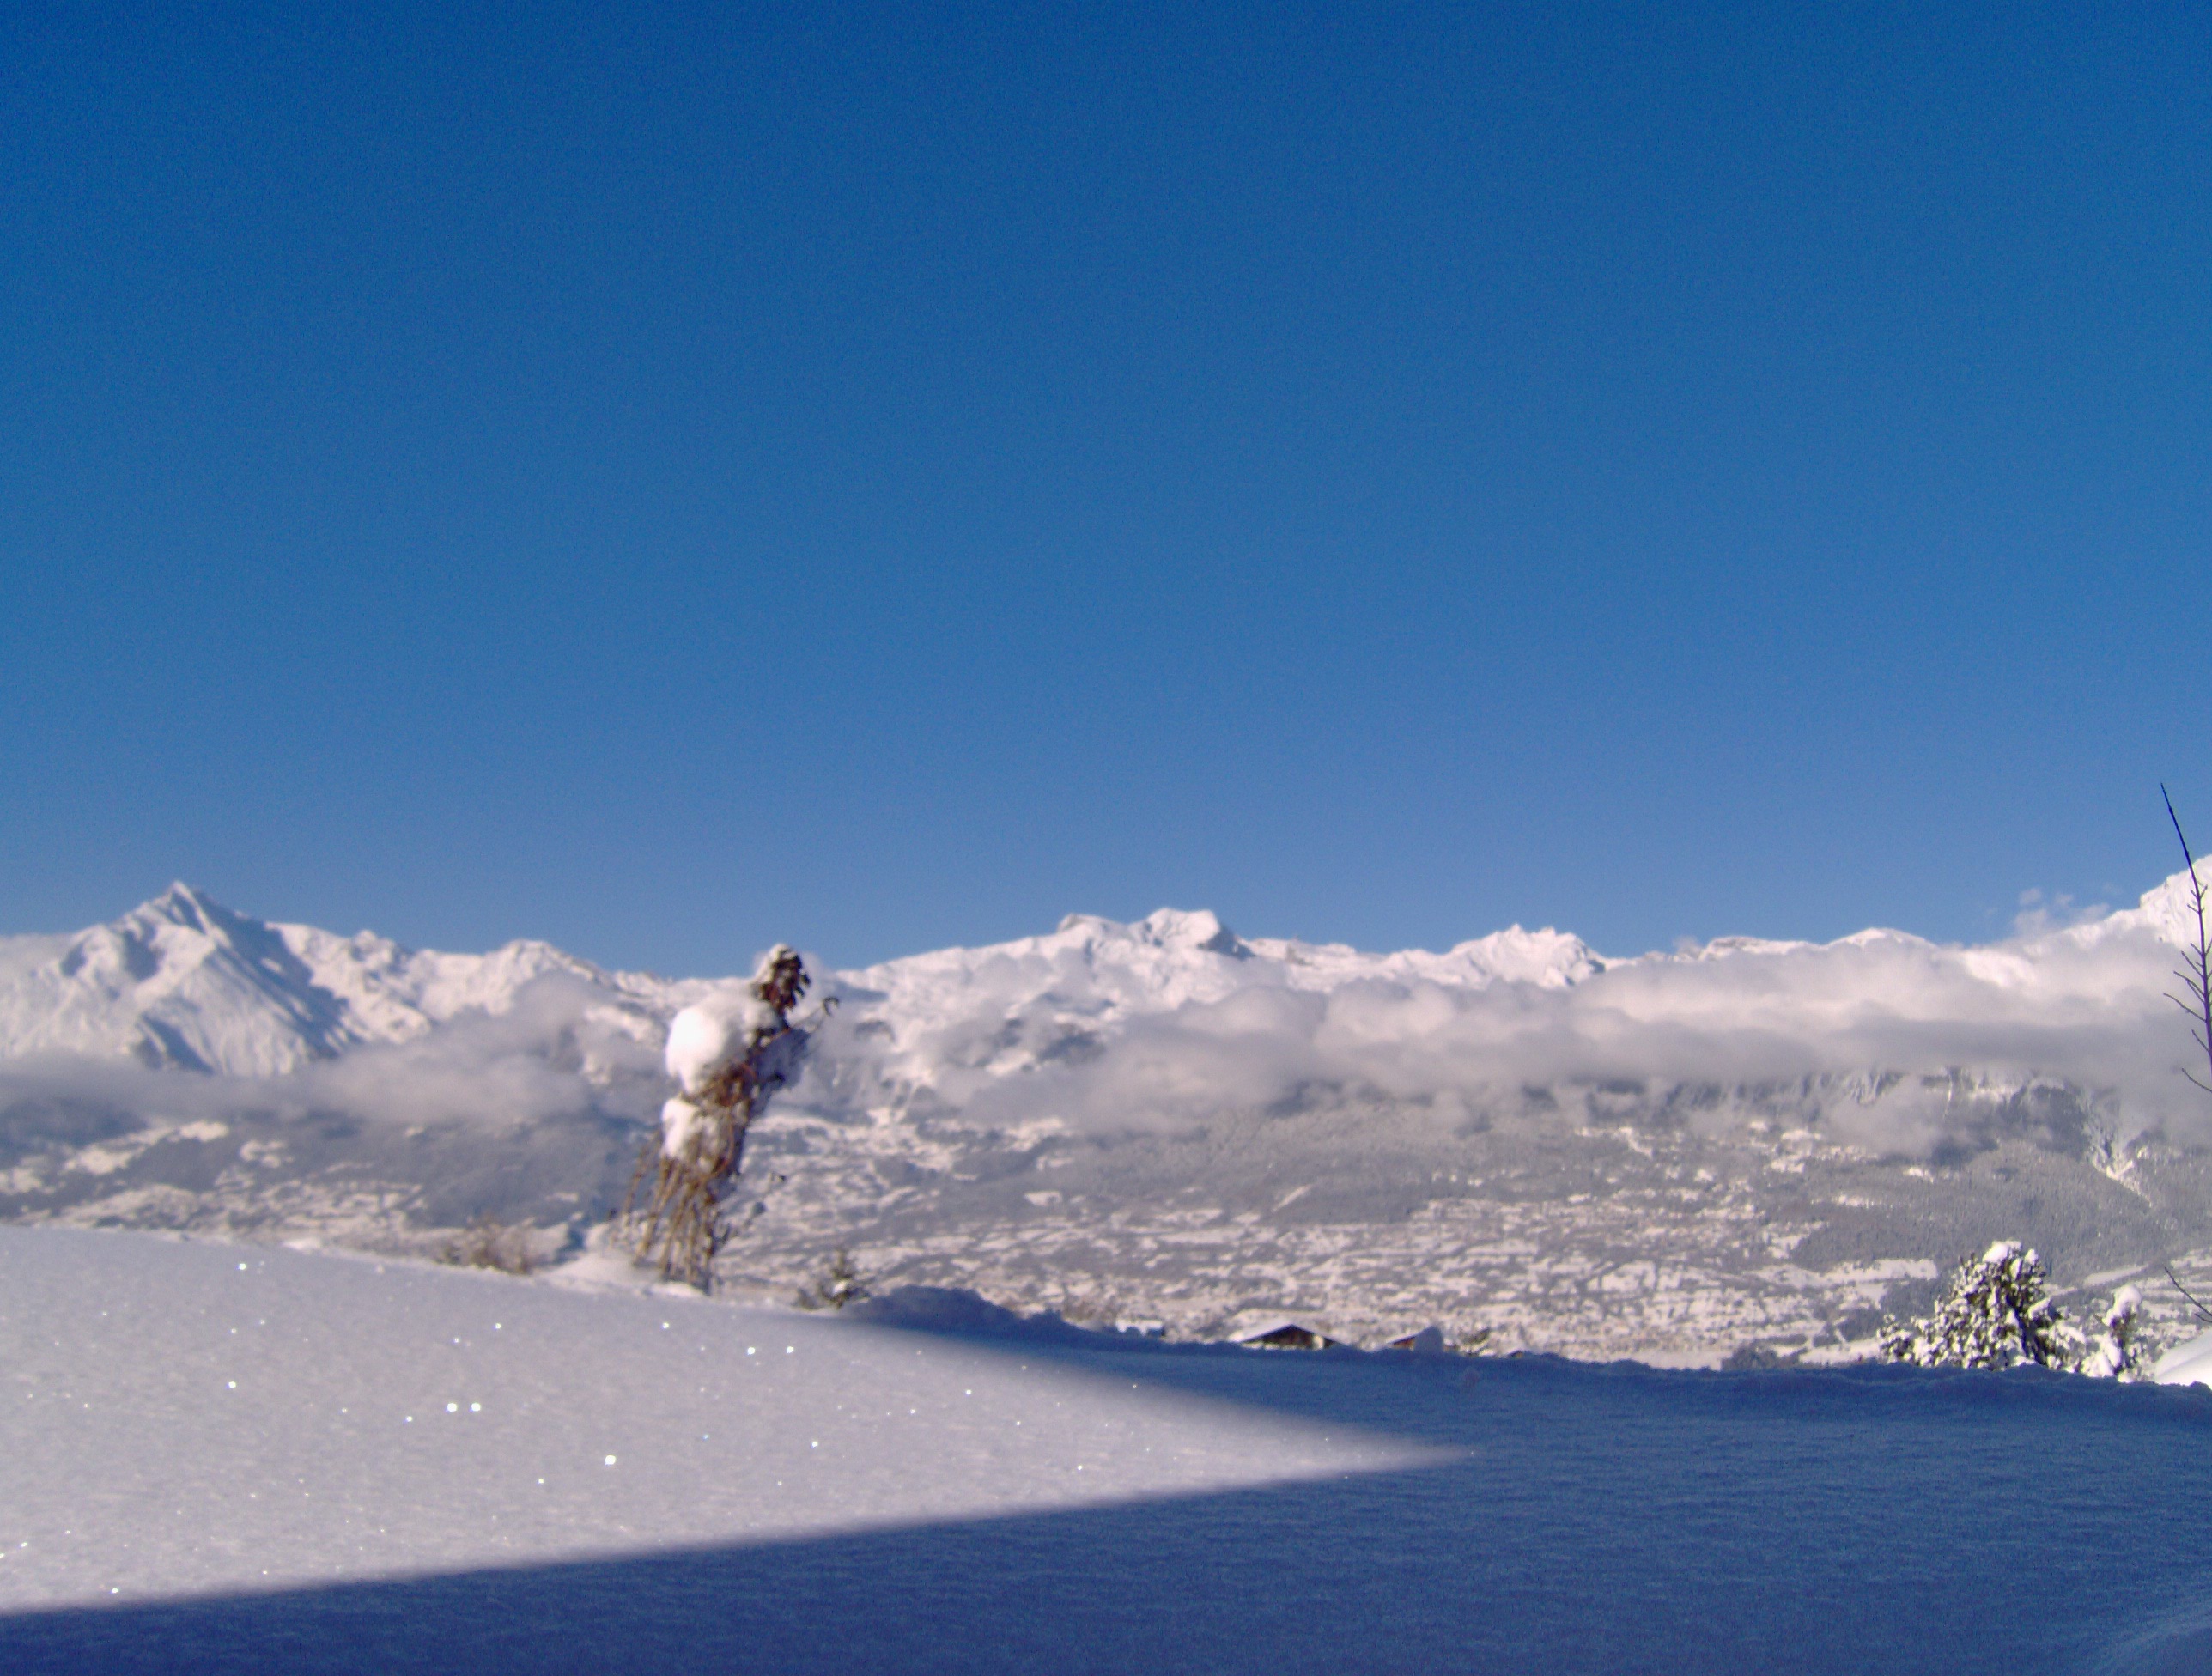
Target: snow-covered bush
(1997, 1313)
(488, 1243)
(841, 1284)
(729, 1053)
(1751, 1357)
(2114, 1354)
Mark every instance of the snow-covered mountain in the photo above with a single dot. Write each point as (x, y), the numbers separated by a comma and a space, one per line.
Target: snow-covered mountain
(1163, 1121)
(183, 981)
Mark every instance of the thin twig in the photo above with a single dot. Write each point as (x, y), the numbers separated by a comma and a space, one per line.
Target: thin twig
(2197, 981)
(2202, 1314)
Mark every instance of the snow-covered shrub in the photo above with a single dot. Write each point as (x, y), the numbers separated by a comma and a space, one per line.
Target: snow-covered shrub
(2114, 1354)
(489, 1243)
(729, 1053)
(841, 1284)
(1752, 1357)
(1996, 1314)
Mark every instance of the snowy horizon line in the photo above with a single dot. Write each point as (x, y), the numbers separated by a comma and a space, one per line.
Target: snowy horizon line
(2040, 917)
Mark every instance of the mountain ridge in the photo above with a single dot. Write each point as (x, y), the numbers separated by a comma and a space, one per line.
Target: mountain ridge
(183, 981)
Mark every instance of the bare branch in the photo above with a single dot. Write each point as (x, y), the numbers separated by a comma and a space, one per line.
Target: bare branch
(2197, 977)
(2202, 1314)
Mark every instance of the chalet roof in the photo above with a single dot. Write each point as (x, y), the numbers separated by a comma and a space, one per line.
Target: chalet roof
(1428, 1341)
(1288, 1335)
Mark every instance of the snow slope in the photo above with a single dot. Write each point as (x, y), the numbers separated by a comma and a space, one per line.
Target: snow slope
(2188, 1363)
(334, 1417)
(216, 1458)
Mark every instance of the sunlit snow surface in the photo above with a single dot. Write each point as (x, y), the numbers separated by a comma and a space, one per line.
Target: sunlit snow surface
(200, 1415)
(310, 1462)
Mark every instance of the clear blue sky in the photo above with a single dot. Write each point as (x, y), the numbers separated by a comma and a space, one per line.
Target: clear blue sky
(665, 480)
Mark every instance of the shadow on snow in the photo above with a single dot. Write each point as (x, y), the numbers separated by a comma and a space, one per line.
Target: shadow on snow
(1590, 1519)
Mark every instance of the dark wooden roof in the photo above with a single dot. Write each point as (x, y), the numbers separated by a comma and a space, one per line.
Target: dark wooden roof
(1288, 1336)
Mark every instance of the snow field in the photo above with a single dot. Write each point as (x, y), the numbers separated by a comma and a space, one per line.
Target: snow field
(307, 1462)
(185, 1417)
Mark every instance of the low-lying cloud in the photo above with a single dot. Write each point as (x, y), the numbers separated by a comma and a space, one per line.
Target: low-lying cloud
(1895, 1042)
(559, 1051)
(1889, 1042)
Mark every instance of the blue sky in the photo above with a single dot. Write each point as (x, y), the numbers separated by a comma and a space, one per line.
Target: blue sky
(665, 480)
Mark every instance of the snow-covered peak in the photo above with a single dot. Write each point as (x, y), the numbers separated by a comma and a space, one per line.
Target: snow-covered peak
(1037, 1001)
(1729, 948)
(179, 980)
(2166, 910)
(1088, 965)
(1721, 948)
(1547, 958)
(1171, 928)
(393, 993)
(183, 982)
(183, 905)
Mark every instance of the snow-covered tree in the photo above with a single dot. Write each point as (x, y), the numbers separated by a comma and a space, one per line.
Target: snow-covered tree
(1997, 1313)
(729, 1053)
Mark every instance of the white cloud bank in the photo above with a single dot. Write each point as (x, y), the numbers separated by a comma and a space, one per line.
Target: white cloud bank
(557, 1049)
(1895, 1042)
(1898, 1043)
